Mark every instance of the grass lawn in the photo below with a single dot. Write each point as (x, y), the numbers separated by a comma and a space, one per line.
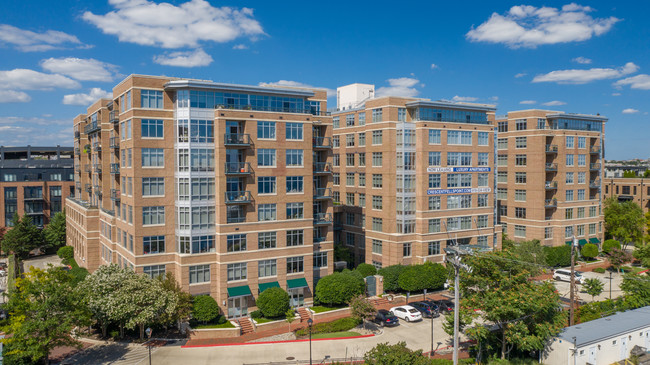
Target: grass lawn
(213, 325)
(632, 269)
(321, 309)
(266, 320)
(335, 334)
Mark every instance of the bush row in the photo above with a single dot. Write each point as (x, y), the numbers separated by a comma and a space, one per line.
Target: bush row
(340, 325)
(413, 278)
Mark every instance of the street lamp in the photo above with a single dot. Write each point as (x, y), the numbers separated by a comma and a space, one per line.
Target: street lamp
(610, 285)
(431, 332)
(310, 322)
(148, 331)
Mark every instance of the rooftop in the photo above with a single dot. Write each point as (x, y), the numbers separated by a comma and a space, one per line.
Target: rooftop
(608, 327)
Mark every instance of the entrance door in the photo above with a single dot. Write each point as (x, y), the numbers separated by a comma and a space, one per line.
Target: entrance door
(297, 297)
(623, 348)
(592, 355)
(237, 307)
(371, 286)
(647, 340)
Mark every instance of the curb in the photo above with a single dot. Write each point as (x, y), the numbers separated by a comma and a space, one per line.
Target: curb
(272, 342)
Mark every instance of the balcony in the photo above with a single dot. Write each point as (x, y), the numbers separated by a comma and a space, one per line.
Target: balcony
(236, 106)
(113, 117)
(238, 168)
(98, 168)
(77, 151)
(77, 185)
(87, 148)
(97, 147)
(115, 195)
(114, 143)
(29, 197)
(594, 184)
(92, 128)
(551, 167)
(594, 166)
(551, 148)
(548, 217)
(88, 168)
(322, 193)
(322, 168)
(322, 218)
(319, 239)
(77, 169)
(77, 134)
(238, 197)
(595, 150)
(550, 185)
(550, 203)
(237, 140)
(89, 188)
(594, 197)
(115, 169)
(322, 143)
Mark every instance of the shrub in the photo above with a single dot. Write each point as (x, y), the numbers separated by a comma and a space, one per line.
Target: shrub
(435, 275)
(339, 288)
(589, 251)
(339, 325)
(114, 334)
(65, 252)
(366, 269)
(78, 275)
(273, 302)
(599, 270)
(205, 308)
(425, 276)
(558, 256)
(256, 314)
(611, 244)
(391, 277)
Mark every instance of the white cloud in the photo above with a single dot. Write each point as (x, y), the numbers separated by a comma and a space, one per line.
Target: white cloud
(493, 98)
(330, 92)
(463, 98)
(80, 69)
(25, 79)
(630, 111)
(616, 94)
(11, 96)
(528, 102)
(86, 99)
(169, 26)
(195, 58)
(240, 46)
(640, 82)
(521, 74)
(20, 131)
(581, 60)
(434, 66)
(529, 26)
(403, 86)
(586, 76)
(554, 103)
(28, 41)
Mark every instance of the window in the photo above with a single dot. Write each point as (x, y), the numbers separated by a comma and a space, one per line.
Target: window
(406, 249)
(520, 212)
(582, 176)
(336, 141)
(336, 159)
(377, 137)
(349, 140)
(569, 142)
(266, 240)
(459, 201)
(401, 114)
(362, 179)
(483, 139)
(153, 157)
(152, 128)
(377, 202)
(434, 158)
(520, 178)
(376, 247)
(502, 193)
(377, 115)
(153, 215)
(502, 160)
(266, 130)
(349, 199)
(582, 160)
(362, 200)
(569, 160)
(434, 225)
(502, 126)
(335, 122)
(459, 137)
(153, 244)
(362, 118)
(236, 242)
(569, 177)
(569, 195)
(520, 160)
(349, 219)
(581, 212)
(433, 248)
(581, 194)
(153, 186)
(294, 184)
(267, 268)
(482, 221)
(199, 274)
(377, 181)
(520, 195)
(434, 136)
(362, 139)
(520, 231)
(203, 217)
(521, 124)
(502, 143)
(349, 159)
(266, 157)
(293, 131)
(434, 203)
(483, 159)
(377, 159)
(592, 211)
(153, 271)
(294, 158)
(349, 179)
(483, 180)
(582, 142)
(459, 180)
(295, 211)
(294, 264)
(266, 185)
(459, 159)
(202, 188)
(580, 229)
(349, 120)
(336, 178)
(592, 228)
(377, 224)
(521, 142)
(548, 233)
(482, 200)
(295, 237)
(266, 212)
(434, 181)
(237, 271)
(151, 99)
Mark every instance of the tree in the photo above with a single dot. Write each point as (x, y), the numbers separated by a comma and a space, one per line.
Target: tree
(642, 253)
(339, 288)
(23, 237)
(434, 275)
(391, 277)
(589, 251)
(184, 304)
(618, 258)
(559, 256)
(54, 232)
(65, 252)
(361, 309)
(205, 309)
(529, 251)
(366, 269)
(411, 279)
(397, 354)
(637, 290)
(608, 245)
(343, 253)
(629, 174)
(273, 302)
(290, 316)
(43, 312)
(624, 221)
(593, 287)
(646, 173)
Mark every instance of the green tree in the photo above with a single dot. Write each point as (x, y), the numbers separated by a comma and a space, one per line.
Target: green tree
(54, 232)
(397, 354)
(205, 309)
(273, 302)
(366, 269)
(339, 288)
(624, 221)
(528, 251)
(343, 253)
(593, 287)
(361, 309)
(290, 316)
(411, 279)
(184, 303)
(608, 245)
(629, 174)
(618, 258)
(637, 290)
(391, 277)
(43, 312)
(23, 237)
(558, 256)
(65, 252)
(646, 173)
(589, 251)
(642, 253)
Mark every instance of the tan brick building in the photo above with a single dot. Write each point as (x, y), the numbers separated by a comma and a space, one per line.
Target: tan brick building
(226, 186)
(629, 189)
(412, 176)
(549, 170)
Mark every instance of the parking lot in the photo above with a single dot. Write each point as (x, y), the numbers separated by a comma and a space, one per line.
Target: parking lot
(564, 286)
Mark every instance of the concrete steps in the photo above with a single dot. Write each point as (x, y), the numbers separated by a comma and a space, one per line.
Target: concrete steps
(304, 315)
(246, 326)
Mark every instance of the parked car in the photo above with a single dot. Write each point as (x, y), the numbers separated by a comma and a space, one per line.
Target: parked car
(385, 318)
(565, 275)
(407, 313)
(428, 310)
(445, 306)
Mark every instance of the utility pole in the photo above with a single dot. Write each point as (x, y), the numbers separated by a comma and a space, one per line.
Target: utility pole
(454, 257)
(610, 285)
(573, 282)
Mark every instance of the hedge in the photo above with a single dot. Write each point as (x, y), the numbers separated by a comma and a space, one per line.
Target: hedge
(273, 302)
(610, 245)
(339, 288)
(366, 270)
(391, 277)
(205, 308)
(339, 325)
(65, 252)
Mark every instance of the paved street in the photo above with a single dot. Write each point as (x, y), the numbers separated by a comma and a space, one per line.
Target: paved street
(563, 286)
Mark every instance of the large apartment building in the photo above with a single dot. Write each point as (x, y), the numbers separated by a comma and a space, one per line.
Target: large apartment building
(412, 176)
(549, 176)
(226, 186)
(636, 189)
(34, 181)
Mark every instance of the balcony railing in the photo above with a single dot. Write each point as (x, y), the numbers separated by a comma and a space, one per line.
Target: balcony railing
(77, 151)
(92, 127)
(238, 168)
(551, 148)
(322, 168)
(77, 168)
(33, 197)
(115, 195)
(98, 168)
(311, 111)
(550, 185)
(115, 168)
(77, 134)
(87, 148)
(89, 188)
(548, 217)
(594, 184)
(322, 142)
(595, 150)
(114, 142)
(593, 197)
(237, 140)
(550, 203)
(551, 167)
(97, 147)
(323, 193)
(594, 166)
(87, 168)
(323, 218)
(319, 239)
(113, 116)
(235, 219)
(238, 197)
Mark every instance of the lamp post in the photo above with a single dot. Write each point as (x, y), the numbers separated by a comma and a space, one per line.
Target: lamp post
(148, 331)
(431, 333)
(310, 322)
(610, 285)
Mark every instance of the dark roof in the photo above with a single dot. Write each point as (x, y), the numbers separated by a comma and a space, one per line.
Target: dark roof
(608, 327)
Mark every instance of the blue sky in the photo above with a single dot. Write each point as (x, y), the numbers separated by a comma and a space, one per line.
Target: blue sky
(56, 57)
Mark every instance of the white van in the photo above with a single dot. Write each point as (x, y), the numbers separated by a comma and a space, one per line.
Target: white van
(565, 275)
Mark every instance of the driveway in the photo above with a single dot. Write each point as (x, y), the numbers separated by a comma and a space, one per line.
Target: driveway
(42, 262)
(564, 286)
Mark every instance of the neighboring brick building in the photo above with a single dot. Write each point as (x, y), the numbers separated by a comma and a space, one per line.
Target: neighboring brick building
(629, 189)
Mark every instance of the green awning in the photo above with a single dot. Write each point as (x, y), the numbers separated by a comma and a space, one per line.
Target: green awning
(264, 286)
(297, 283)
(594, 240)
(569, 243)
(582, 242)
(239, 291)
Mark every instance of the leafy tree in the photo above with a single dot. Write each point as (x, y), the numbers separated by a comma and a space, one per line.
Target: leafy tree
(624, 221)
(205, 309)
(593, 287)
(273, 302)
(629, 174)
(362, 309)
(65, 252)
(339, 288)
(642, 253)
(589, 251)
(618, 258)
(77, 275)
(528, 251)
(54, 232)
(184, 304)
(420, 277)
(557, 256)
(366, 269)
(391, 277)
(290, 316)
(637, 290)
(646, 173)
(397, 354)
(608, 245)
(43, 312)
(23, 237)
(343, 253)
